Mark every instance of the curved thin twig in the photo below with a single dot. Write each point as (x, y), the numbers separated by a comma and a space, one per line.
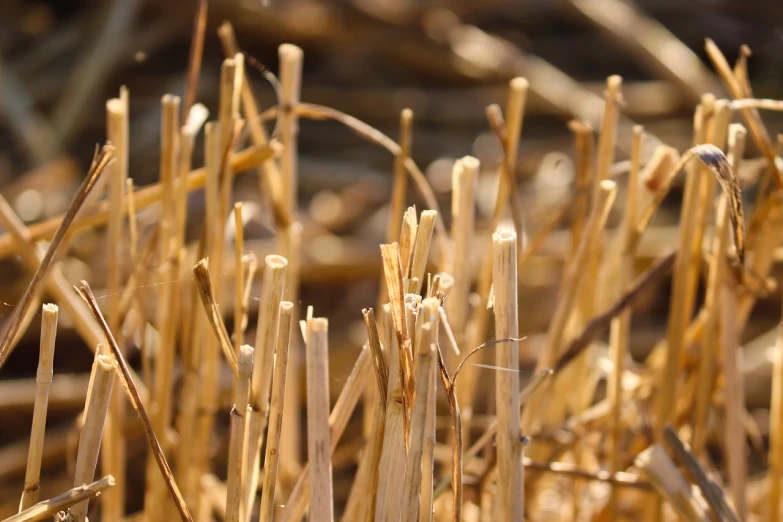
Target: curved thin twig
(491, 342)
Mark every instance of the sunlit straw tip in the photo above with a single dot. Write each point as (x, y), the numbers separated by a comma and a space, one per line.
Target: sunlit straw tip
(470, 163)
(504, 236)
(290, 52)
(50, 308)
(318, 324)
(608, 185)
(115, 105)
(275, 261)
(518, 84)
(245, 358)
(170, 98)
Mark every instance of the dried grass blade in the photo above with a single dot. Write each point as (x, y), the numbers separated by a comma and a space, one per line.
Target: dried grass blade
(201, 272)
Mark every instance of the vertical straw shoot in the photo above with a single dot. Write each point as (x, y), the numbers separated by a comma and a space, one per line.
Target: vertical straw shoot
(510, 502)
(318, 443)
(43, 380)
(236, 441)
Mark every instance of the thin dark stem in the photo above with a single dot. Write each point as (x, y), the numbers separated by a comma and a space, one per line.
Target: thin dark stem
(138, 405)
(101, 160)
(491, 342)
(600, 323)
(456, 455)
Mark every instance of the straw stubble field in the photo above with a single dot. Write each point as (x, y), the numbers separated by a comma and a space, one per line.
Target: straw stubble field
(450, 421)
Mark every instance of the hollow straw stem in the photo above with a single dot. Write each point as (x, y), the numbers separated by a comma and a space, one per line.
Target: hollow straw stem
(361, 499)
(428, 455)
(349, 397)
(291, 59)
(46, 509)
(682, 285)
(43, 380)
(620, 329)
(775, 456)
(272, 451)
(400, 184)
(155, 494)
(208, 386)
(113, 457)
(608, 136)
(232, 72)
(269, 175)
(96, 407)
(239, 283)
(735, 435)
(391, 466)
(319, 458)
(510, 481)
(584, 149)
(237, 435)
(463, 211)
(425, 370)
(421, 248)
(272, 288)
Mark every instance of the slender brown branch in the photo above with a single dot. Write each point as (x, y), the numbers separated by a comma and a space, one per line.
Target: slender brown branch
(138, 405)
(100, 161)
(601, 322)
(456, 427)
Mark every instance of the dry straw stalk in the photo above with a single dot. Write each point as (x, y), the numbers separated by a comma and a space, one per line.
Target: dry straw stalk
(510, 502)
(43, 380)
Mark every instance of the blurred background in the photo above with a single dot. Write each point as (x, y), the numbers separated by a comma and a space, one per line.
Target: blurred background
(446, 60)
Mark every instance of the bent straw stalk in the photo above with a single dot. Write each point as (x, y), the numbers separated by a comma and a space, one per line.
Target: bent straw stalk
(43, 380)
